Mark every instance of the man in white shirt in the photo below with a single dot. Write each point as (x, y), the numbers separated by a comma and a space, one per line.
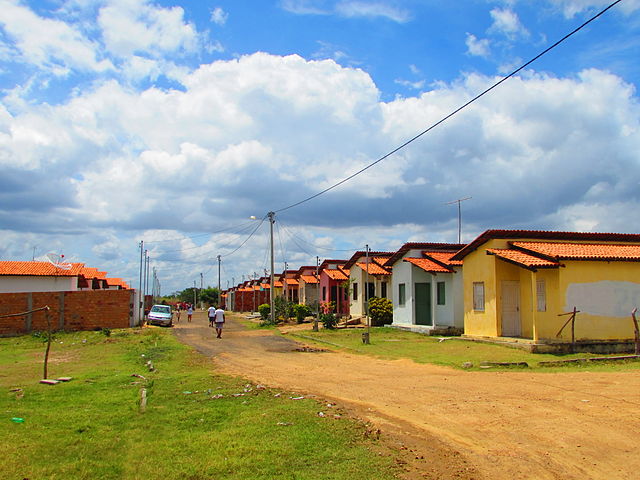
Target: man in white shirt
(211, 312)
(219, 321)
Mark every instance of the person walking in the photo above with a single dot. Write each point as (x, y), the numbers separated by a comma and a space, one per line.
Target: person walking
(219, 321)
(189, 312)
(211, 312)
(178, 313)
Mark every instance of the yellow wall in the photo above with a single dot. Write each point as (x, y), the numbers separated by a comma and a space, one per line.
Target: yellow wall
(617, 287)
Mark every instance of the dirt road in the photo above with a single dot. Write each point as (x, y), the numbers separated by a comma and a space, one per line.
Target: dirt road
(466, 425)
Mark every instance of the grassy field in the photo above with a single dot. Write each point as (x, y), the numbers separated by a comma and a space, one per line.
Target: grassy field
(392, 343)
(197, 424)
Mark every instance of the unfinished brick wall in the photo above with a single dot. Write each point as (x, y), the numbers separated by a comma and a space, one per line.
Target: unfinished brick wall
(82, 310)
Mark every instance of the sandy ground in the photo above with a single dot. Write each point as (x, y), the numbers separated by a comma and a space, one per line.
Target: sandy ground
(453, 424)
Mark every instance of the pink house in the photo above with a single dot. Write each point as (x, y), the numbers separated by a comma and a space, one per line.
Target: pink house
(334, 285)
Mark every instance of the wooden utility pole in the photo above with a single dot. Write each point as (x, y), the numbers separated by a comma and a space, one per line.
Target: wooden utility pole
(635, 330)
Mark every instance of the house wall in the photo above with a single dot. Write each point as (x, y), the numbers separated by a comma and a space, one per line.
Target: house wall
(68, 310)
(308, 293)
(605, 293)
(26, 283)
(402, 314)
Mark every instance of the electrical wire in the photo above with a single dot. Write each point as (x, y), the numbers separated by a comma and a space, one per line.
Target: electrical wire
(246, 239)
(457, 110)
(197, 235)
(317, 246)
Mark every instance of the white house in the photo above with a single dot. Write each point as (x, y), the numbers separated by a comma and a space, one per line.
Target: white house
(368, 278)
(427, 286)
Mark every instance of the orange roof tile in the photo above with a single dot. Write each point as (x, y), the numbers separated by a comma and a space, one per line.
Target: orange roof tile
(309, 278)
(522, 259)
(374, 268)
(444, 257)
(8, 267)
(581, 251)
(291, 281)
(277, 283)
(427, 265)
(336, 274)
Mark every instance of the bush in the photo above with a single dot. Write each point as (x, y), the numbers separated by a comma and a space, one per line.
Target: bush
(283, 308)
(380, 311)
(264, 310)
(329, 320)
(301, 311)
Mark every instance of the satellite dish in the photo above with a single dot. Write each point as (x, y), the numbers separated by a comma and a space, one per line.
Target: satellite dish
(58, 261)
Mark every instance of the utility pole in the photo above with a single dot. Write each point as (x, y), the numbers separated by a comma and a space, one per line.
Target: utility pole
(140, 294)
(272, 220)
(219, 260)
(315, 320)
(459, 201)
(286, 287)
(146, 280)
(194, 294)
(367, 339)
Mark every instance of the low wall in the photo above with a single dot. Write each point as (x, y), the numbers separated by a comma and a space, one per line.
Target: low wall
(79, 310)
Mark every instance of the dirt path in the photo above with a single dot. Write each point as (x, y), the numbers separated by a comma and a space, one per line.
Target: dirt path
(492, 425)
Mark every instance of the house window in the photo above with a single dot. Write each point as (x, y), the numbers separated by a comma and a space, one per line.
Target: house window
(541, 294)
(324, 294)
(371, 290)
(383, 289)
(441, 293)
(355, 291)
(401, 293)
(478, 296)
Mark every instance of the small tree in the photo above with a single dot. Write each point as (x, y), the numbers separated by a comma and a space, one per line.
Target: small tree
(380, 311)
(301, 311)
(329, 320)
(264, 310)
(283, 308)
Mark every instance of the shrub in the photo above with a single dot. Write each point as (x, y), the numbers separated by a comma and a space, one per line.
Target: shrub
(264, 310)
(380, 311)
(329, 320)
(301, 311)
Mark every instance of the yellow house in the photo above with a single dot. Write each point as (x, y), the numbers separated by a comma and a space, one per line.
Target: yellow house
(518, 284)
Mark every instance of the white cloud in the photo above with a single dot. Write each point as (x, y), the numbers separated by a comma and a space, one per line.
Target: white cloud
(352, 8)
(219, 16)
(506, 22)
(137, 27)
(571, 8)
(50, 44)
(478, 47)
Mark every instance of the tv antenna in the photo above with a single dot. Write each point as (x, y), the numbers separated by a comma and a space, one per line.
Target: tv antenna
(459, 201)
(58, 261)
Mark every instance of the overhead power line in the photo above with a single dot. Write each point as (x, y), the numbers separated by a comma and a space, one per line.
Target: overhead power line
(457, 110)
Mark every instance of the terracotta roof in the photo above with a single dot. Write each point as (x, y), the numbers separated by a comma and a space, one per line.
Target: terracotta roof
(336, 274)
(374, 268)
(442, 247)
(309, 278)
(427, 265)
(118, 282)
(522, 259)
(360, 254)
(8, 267)
(277, 283)
(265, 286)
(581, 251)
(444, 257)
(291, 281)
(546, 235)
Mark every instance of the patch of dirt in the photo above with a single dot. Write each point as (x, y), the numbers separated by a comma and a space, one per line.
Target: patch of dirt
(452, 424)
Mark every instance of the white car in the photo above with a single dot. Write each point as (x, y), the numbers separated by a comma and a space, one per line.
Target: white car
(160, 315)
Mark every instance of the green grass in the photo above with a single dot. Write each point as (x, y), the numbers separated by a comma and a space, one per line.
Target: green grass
(392, 343)
(92, 428)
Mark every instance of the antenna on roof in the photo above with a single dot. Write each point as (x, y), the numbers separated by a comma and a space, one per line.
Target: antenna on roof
(58, 261)
(458, 201)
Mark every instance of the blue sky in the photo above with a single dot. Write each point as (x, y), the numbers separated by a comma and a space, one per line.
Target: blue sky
(173, 122)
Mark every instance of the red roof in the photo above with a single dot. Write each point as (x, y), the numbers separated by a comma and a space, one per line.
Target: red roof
(522, 259)
(427, 265)
(581, 251)
(291, 281)
(309, 278)
(336, 274)
(8, 267)
(443, 257)
(374, 268)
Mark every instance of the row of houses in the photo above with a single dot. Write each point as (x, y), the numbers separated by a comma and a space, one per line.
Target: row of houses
(16, 276)
(506, 285)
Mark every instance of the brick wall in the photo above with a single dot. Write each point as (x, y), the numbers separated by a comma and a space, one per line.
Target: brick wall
(81, 310)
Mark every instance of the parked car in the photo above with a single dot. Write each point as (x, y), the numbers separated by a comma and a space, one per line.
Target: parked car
(160, 315)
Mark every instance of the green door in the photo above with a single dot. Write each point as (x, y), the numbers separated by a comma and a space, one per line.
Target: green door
(423, 304)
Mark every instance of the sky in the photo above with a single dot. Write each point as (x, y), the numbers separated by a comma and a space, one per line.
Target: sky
(174, 122)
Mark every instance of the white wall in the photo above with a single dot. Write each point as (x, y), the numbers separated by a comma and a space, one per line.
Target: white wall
(26, 283)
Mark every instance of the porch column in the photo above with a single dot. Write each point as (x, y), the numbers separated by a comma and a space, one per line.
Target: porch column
(434, 299)
(534, 304)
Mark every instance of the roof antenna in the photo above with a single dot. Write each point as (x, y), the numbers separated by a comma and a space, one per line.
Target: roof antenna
(58, 261)
(459, 201)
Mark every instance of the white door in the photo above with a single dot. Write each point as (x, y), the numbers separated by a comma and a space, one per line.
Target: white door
(510, 301)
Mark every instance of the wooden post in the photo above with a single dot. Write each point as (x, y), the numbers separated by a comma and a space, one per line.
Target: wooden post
(635, 330)
(573, 331)
(46, 353)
